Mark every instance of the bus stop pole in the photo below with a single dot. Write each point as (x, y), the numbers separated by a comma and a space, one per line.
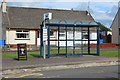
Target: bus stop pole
(98, 43)
(41, 40)
(44, 50)
(44, 44)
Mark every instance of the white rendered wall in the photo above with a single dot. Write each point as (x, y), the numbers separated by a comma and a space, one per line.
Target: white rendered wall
(11, 36)
(93, 36)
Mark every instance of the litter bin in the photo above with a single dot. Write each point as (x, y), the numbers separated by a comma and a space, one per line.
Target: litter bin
(22, 51)
(101, 41)
(2, 42)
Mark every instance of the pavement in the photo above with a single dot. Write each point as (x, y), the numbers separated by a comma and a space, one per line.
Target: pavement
(10, 63)
(12, 67)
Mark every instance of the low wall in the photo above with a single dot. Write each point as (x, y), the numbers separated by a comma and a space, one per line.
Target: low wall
(104, 45)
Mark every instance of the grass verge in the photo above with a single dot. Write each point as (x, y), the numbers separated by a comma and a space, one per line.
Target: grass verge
(37, 54)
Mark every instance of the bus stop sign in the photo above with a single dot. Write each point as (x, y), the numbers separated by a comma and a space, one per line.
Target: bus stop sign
(45, 34)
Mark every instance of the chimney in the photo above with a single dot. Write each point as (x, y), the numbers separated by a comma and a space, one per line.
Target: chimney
(87, 13)
(4, 6)
(88, 8)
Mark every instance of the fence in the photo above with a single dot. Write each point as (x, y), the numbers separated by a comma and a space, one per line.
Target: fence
(7, 48)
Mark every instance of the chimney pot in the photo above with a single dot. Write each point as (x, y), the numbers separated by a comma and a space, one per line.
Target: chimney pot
(4, 6)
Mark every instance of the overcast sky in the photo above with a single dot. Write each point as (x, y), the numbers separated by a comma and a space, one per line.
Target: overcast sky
(103, 12)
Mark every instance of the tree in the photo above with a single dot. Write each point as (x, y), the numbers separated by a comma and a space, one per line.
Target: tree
(103, 28)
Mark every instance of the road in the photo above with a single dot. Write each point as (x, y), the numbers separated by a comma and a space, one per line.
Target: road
(88, 72)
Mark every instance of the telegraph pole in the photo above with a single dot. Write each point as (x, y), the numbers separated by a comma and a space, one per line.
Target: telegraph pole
(0, 27)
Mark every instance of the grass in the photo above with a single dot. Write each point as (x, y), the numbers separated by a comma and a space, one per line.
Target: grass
(15, 55)
(37, 54)
(110, 53)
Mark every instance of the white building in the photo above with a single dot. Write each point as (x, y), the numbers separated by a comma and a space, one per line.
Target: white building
(23, 24)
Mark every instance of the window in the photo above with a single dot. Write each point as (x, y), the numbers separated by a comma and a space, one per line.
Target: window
(62, 34)
(84, 35)
(70, 32)
(51, 33)
(22, 34)
(62, 31)
(38, 32)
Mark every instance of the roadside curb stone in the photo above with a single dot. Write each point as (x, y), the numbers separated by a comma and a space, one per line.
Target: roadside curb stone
(11, 66)
(62, 66)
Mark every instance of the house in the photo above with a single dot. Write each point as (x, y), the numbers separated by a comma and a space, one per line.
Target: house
(22, 25)
(116, 29)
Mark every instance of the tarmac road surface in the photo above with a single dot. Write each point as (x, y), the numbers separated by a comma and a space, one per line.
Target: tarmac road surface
(87, 72)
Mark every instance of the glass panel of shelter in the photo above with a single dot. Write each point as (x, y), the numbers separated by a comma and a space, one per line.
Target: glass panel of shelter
(70, 37)
(53, 41)
(62, 40)
(76, 38)
(72, 40)
(84, 40)
(93, 40)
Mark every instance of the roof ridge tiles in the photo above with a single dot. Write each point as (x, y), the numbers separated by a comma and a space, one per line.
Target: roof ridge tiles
(46, 9)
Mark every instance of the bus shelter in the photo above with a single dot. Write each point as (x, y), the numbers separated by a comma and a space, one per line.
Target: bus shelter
(71, 37)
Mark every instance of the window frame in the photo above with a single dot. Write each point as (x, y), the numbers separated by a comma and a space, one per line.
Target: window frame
(62, 33)
(23, 32)
(84, 34)
(53, 33)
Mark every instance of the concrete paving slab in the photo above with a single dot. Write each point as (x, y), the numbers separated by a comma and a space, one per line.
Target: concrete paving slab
(10, 63)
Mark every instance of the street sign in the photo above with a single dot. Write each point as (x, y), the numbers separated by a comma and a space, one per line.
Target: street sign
(47, 16)
(45, 34)
(44, 40)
